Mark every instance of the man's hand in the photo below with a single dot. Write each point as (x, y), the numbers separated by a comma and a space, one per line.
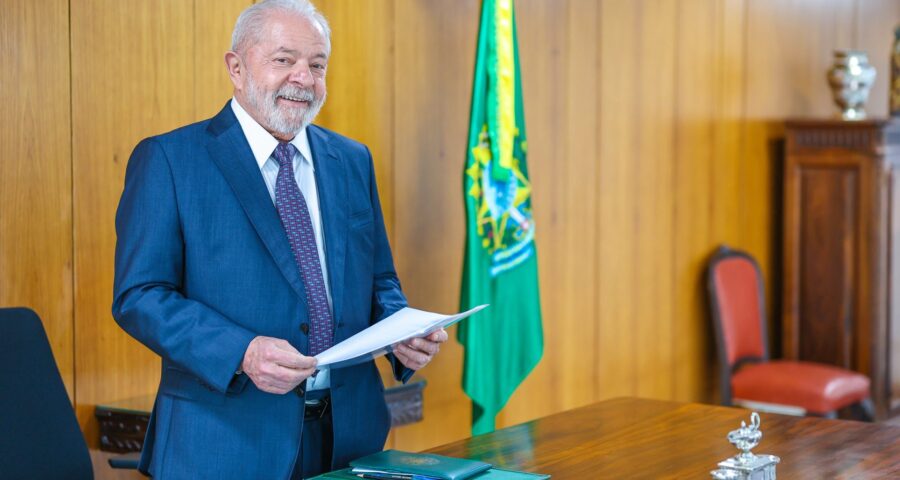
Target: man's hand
(275, 366)
(415, 353)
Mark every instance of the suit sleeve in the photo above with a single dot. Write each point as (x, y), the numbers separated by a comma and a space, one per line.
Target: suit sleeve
(387, 296)
(148, 302)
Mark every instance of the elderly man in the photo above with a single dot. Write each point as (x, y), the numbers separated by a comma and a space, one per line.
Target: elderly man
(247, 244)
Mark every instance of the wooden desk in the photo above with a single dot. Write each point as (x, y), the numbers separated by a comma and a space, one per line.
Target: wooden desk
(636, 438)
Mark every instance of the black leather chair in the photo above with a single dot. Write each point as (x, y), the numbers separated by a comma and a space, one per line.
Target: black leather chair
(39, 434)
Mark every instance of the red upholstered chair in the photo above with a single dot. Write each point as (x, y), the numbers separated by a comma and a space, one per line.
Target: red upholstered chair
(748, 376)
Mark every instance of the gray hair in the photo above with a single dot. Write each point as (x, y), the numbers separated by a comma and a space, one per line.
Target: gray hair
(250, 23)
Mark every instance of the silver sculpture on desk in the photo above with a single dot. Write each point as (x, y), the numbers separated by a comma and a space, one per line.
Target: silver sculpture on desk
(746, 465)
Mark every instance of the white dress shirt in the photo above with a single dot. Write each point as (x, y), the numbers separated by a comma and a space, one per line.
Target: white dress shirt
(263, 144)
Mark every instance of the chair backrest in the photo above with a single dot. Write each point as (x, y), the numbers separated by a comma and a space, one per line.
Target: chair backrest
(737, 304)
(39, 434)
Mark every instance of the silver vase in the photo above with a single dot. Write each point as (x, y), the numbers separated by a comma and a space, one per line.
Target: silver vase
(851, 78)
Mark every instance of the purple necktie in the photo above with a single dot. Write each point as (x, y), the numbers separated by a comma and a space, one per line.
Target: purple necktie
(297, 224)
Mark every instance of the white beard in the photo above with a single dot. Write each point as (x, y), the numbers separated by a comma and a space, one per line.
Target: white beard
(287, 122)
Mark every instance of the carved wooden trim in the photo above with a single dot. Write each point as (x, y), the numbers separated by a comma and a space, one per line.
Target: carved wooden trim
(405, 403)
(852, 139)
(122, 432)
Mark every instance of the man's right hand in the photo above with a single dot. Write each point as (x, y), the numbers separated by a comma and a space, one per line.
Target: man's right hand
(275, 366)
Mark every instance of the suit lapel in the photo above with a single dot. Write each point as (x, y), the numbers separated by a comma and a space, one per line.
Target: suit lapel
(331, 184)
(231, 153)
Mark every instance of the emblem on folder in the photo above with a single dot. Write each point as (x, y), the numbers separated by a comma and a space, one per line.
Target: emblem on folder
(411, 460)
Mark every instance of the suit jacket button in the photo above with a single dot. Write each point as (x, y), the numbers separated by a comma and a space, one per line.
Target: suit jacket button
(300, 389)
(304, 327)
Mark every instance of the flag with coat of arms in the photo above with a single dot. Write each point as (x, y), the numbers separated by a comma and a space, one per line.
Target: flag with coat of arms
(504, 342)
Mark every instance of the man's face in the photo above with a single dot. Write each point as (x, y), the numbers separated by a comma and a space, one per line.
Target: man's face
(280, 79)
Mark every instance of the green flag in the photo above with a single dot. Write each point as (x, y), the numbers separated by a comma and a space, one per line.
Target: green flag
(504, 342)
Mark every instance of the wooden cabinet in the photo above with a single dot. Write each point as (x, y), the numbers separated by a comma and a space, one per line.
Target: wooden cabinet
(842, 250)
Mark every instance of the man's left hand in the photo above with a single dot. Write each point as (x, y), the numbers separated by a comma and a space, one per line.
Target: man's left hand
(415, 353)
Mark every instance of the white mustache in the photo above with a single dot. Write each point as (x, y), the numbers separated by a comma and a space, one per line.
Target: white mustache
(298, 94)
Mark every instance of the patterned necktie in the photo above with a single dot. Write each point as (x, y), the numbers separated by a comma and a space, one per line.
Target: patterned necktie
(297, 224)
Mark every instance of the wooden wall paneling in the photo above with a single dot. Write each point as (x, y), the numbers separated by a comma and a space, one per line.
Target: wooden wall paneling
(654, 290)
(557, 55)
(570, 163)
(727, 160)
(578, 355)
(435, 56)
(361, 83)
(619, 93)
(213, 22)
(35, 173)
(875, 24)
(695, 108)
(132, 77)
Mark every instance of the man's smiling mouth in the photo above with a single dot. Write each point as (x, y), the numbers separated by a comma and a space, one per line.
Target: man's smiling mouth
(293, 99)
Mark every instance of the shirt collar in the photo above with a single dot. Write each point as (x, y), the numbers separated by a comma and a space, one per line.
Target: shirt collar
(262, 143)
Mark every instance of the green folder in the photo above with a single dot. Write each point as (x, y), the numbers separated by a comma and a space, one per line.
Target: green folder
(492, 473)
(424, 466)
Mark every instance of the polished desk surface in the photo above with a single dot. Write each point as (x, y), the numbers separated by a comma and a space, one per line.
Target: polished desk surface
(637, 438)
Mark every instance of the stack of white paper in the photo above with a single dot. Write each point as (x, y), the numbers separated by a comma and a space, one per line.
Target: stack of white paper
(377, 339)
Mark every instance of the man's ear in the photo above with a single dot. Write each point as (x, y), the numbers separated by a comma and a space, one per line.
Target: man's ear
(235, 69)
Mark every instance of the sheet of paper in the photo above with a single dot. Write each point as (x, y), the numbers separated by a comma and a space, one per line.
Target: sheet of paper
(377, 339)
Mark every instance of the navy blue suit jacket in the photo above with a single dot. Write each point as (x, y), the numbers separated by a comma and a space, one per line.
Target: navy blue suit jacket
(203, 266)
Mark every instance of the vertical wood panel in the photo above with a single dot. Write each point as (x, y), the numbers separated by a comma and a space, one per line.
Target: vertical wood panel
(213, 22)
(132, 77)
(728, 96)
(558, 45)
(654, 291)
(35, 170)
(435, 56)
(542, 34)
(695, 109)
(618, 137)
(361, 83)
